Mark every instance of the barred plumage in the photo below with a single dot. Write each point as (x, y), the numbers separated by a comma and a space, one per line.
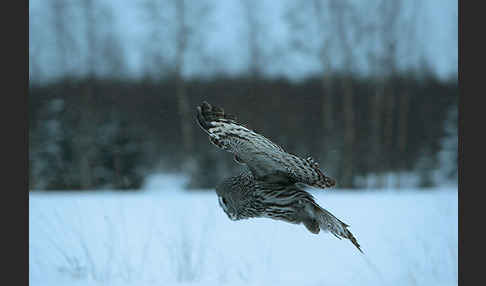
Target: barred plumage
(270, 187)
(262, 156)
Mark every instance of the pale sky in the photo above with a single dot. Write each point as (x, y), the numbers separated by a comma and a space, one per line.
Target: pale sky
(225, 42)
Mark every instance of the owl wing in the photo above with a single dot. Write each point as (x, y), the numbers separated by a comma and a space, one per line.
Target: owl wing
(265, 159)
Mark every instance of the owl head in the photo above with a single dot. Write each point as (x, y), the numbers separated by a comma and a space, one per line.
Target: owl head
(230, 198)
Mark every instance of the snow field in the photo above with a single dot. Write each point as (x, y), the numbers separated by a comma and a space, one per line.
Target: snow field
(173, 237)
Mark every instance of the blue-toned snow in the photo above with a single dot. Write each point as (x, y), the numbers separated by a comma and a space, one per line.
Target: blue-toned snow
(174, 237)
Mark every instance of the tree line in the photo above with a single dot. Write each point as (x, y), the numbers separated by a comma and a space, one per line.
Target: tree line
(109, 133)
(95, 122)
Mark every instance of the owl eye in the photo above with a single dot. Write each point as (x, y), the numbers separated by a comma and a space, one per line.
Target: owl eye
(222, 202)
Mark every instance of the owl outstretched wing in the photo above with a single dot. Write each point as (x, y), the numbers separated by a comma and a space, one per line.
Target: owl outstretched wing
(265, 159)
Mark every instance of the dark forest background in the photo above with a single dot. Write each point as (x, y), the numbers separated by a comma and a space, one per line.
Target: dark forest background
(93, 125)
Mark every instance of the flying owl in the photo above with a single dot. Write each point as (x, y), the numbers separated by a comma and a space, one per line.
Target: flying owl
(271, 186)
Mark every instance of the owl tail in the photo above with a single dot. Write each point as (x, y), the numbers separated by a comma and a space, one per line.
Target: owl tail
(329, 222)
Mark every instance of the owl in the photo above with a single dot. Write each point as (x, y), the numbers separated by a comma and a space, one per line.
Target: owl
(272, 185)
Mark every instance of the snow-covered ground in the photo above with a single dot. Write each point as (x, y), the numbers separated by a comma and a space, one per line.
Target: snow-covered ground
(172, 237)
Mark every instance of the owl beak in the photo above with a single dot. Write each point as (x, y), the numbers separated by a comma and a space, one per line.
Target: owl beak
(233, 217)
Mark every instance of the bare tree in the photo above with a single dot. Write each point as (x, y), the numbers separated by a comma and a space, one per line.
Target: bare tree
(61, 31)
(254, 30)
(332, 30)
(89, 10)
(175, 30)
(315, 21)
(325, 61)
(404, 97)
(103, 57)
(397, 31)
(389, 12)
(383, 59)
(85, 142)
(254, 39)
(155, 48)
(404, 106)
(349, 30)
(182, 36)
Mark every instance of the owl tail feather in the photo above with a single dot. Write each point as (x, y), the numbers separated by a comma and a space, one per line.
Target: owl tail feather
(339, 229)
